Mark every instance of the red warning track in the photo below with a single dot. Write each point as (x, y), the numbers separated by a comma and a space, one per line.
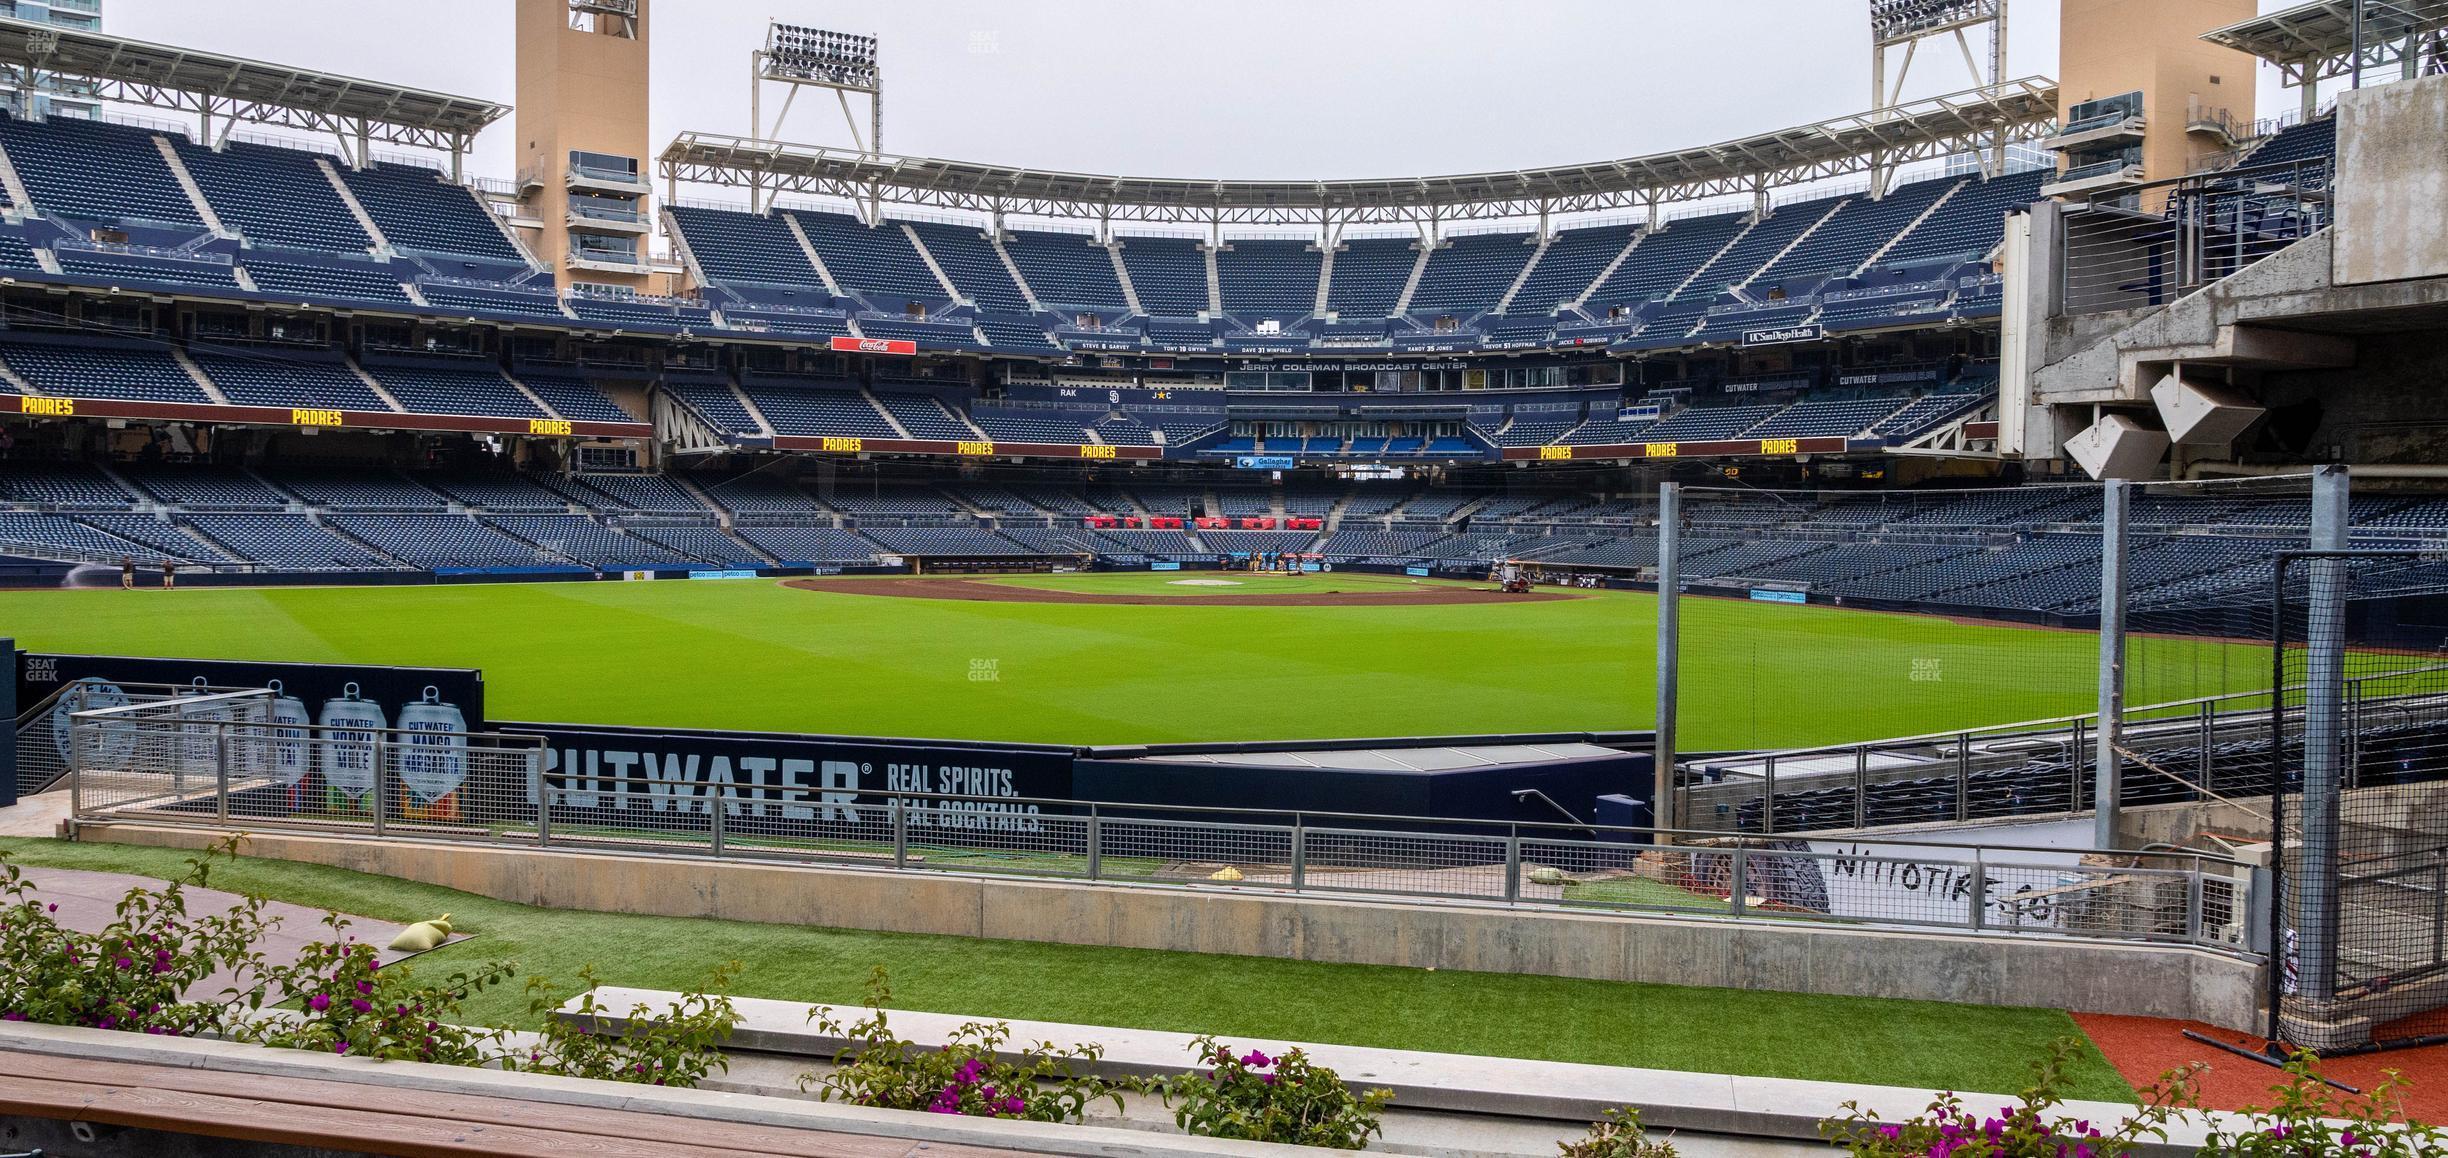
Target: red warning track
(981, 591)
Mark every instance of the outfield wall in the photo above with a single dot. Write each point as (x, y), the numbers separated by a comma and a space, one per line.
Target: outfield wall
(2084, 976)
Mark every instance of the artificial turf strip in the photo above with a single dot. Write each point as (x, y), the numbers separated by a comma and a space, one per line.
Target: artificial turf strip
(1251, 1000)
(754, 655)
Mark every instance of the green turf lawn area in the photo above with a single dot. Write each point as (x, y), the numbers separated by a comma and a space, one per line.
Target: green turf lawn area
(1246, 999)
(752, 654)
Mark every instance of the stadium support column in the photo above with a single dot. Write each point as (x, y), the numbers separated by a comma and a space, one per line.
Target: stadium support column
(1662, 810)
(2316, 880)
(2107, 767)
(8, 722)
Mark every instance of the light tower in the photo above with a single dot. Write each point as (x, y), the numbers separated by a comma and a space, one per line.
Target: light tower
(1906, 24)
(800, 57)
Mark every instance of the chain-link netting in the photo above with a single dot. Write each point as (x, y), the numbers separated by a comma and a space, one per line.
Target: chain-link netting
(2362, 817)
(1899, 613)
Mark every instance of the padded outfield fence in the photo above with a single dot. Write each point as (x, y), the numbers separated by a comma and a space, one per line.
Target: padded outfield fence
(223, 762)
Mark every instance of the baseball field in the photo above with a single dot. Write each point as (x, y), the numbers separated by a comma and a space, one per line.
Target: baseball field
(1143, 657)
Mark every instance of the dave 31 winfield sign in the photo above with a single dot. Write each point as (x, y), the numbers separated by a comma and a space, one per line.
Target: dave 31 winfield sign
(848, 345)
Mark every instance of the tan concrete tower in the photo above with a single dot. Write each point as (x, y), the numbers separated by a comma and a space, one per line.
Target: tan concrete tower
(582, 138)
(2144, 96)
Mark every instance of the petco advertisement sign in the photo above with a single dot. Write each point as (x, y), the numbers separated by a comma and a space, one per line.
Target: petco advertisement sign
(847, 345)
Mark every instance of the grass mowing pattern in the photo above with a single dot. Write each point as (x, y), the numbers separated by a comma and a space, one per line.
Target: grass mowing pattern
(1251, 1000)
(752, 654)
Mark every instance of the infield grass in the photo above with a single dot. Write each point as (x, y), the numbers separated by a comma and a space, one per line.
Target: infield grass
(1248, 1000)
(752, 654)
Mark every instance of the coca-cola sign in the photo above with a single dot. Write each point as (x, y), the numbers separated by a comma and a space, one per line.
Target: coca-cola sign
(849, 345)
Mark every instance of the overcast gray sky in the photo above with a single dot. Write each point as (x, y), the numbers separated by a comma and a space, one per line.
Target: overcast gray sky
(1215, 88)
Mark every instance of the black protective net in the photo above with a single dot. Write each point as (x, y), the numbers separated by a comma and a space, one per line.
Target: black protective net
(2361, 721)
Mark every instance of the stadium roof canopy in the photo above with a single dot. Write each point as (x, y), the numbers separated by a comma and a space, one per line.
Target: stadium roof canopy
(211, 85)
(2316, 42)
(1865, 143)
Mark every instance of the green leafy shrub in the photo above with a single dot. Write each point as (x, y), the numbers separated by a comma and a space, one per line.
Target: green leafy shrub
(679, 1045)
(1285, 1099)
(1618, 1135)
(132, 975)
(969, 1075)
(2314, 1120)
(345, 1005)
(2028, 1129)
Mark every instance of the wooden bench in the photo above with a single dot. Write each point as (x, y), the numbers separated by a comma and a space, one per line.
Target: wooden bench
(368, 1119)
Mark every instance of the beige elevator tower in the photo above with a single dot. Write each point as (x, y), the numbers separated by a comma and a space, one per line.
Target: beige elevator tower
(582, 139)
(2144, 97)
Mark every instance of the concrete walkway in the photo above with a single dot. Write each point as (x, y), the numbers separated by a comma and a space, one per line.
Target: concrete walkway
(38, 816)
(88, 902)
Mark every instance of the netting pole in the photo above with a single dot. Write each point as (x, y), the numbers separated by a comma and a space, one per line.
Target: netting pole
(2324, 715)
(1669, 647)
(2107, 767)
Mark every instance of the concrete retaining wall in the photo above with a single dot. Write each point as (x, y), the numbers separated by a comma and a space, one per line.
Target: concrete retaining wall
(2147, 980)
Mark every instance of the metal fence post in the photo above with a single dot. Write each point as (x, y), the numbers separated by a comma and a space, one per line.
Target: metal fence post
(900, 825)
(1738, 882)
(1096, 842)
(714, 815)
(2207, 729)
(1300, 854)
(543, 799)
(1767, 799)
(1861, 786)
(2074, 759)
(221, 776)
(2193, 904)
(1979, 891)
(1512, 880)
(381, 752)
(2106, 765)
(2324, 715)
(1662, 811)
(1963, 777)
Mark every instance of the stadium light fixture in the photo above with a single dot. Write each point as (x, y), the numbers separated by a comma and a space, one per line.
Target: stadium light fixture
(1905, 24)
(1905, 21)
(804, 57)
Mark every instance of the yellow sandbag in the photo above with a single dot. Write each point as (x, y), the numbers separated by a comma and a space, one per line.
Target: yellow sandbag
(1227, 873)
(421, 936)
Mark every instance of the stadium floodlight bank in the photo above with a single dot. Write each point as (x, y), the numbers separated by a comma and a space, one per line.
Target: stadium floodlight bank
(1904, 21)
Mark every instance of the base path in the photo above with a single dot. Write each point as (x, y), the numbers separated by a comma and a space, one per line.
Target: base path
(982, 591)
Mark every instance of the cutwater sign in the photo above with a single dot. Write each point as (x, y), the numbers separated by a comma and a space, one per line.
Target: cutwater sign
(644, 778)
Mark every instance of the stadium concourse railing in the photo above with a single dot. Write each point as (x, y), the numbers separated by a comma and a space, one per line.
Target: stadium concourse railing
(43, 728)
(224, 762)
(2208, 748)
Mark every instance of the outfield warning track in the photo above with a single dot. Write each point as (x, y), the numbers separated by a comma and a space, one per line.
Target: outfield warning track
(981, 591)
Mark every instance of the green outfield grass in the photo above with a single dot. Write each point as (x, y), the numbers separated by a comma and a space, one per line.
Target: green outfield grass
(1249, 1000)
(752, 654)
